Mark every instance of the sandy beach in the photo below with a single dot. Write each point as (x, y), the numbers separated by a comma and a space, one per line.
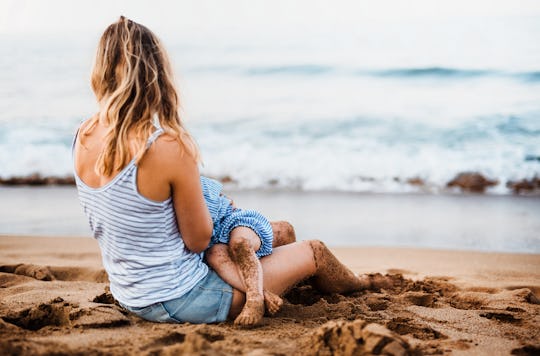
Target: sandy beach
(54, 300)
(403, 135)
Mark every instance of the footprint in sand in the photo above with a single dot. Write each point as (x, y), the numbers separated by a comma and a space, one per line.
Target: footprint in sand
(504, 317)
(356, 338)
(56, 312)
(422, 299)
(527, 294)
(105, 297)
(177, 343)
(527, 350)
(42, 273)
(404, 326)
(377, 302)
(49, 273)
(9, 280)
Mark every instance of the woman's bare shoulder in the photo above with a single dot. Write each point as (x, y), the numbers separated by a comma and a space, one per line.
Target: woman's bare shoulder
(167, 150)
(88, 124)
(166, 144)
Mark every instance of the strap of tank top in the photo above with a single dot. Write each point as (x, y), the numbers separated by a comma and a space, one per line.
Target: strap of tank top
(75, 140)
(77, 135)
(159, 130)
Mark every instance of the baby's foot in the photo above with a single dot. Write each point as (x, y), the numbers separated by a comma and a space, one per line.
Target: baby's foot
(252, 312)
(273, 302)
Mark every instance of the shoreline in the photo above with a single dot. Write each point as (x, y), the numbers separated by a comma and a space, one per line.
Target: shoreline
(55, 300)
(463, 182)
(468, 222)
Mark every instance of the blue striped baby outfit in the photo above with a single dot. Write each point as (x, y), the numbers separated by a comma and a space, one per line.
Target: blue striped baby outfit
(141, 247)
(226, 217)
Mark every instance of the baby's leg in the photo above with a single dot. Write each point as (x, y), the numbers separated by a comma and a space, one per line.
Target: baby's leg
(242, 246)
(219, 258)
(243, 243)
(283, 233)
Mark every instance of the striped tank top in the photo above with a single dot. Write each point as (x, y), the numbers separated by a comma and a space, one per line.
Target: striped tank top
(141, 247)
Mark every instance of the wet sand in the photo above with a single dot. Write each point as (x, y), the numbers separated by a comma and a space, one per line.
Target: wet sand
(54, 300)
(461, 221)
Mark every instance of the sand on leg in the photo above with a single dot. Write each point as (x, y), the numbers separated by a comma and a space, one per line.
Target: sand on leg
(239, 266)
(332, 276)
(283, 232)
(243, 243)
(218, 257)
(292, 263)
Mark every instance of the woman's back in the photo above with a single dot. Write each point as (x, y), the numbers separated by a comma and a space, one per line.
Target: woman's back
(142, 249)
(150, 183)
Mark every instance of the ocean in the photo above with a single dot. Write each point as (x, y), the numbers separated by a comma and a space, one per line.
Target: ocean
(358, 108)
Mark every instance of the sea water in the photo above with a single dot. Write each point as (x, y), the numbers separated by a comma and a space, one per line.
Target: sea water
(363, 107)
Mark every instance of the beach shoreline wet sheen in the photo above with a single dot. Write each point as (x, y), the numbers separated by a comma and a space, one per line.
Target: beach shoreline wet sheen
(503, 223)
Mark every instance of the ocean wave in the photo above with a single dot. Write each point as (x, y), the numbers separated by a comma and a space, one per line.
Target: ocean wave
(518, 126)
(531, 76)
(306, 69)
(398, 73)
(357, 154)
(439, 72)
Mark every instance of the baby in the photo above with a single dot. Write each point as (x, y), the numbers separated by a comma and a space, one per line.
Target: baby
(232, 227)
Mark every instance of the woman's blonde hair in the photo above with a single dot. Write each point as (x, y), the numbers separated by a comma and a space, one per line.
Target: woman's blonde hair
(133, 82)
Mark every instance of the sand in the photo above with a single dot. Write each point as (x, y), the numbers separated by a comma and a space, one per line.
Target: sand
(54, 300)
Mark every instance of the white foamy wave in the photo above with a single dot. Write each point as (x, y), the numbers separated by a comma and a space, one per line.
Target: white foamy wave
(363, 155)
(323, 110)
(28, 147)
(354, 154)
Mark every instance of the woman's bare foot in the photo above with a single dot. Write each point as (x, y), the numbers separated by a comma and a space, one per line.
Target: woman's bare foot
(365, 280)
(252, 313)
(378, 281)
(273, 302)
(332, 276)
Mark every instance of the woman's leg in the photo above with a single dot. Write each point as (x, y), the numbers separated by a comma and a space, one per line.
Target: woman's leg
(332, 276)
(292, 263)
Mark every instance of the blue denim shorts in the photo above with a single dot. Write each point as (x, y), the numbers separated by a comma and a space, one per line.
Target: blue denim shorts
(208, 302)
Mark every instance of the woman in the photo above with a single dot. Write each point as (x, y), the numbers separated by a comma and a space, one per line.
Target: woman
(137, 175)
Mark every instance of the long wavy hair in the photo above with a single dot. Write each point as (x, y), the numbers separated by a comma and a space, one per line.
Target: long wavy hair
(133, 83)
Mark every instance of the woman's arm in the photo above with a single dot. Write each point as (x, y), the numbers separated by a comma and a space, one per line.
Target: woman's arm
(182, 173)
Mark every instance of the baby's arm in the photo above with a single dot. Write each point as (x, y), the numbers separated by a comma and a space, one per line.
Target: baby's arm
(212, 195)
